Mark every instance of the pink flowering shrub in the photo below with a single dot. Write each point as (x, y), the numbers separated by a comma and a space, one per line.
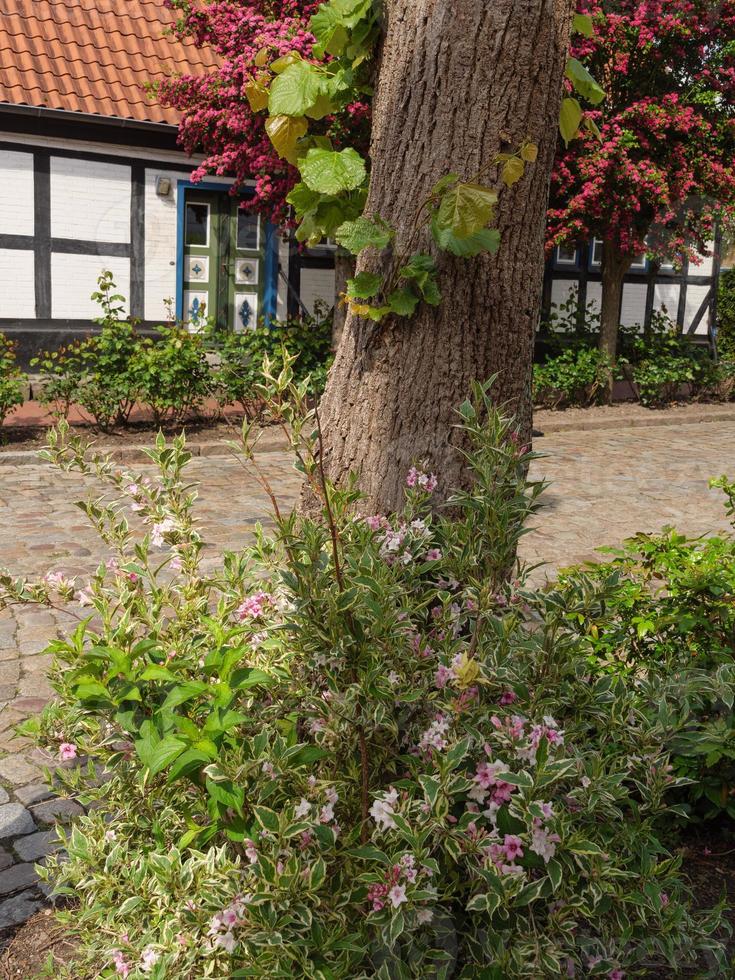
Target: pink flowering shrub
(363, 748)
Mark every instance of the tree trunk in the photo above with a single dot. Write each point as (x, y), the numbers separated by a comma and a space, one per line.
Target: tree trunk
(344, 269)
(614, 267)
(458, 82)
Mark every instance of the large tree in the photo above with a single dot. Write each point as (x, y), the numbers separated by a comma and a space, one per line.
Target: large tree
(456, 84)
(656, 167)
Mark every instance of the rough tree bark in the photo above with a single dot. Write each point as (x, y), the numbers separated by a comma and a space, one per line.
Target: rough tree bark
(344, 269)
(614, 267)
(458, 82)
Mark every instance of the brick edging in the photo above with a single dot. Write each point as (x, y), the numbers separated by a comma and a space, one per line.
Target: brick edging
(136, 454)
(634, 422)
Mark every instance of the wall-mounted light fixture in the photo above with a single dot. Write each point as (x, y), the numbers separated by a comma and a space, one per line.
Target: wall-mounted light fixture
(163, 186)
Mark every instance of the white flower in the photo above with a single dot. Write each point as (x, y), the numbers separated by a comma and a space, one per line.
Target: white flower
(424, 916)
(148, 960)
(382, 811)
(332, 795)
(397, 895)
(393, 678)
(158, 530)
(303, 809)
(226, 941)
(543, 844)
(327, 813)
(84, 598)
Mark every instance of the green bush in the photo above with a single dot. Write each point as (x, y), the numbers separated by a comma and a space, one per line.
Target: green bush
(726, 315)
(172, 373)
(662, 607)
(357, 749)
(11, 378)
(238, 371)
(578, 376)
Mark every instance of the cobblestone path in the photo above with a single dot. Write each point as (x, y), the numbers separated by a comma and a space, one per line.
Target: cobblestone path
(605, 485)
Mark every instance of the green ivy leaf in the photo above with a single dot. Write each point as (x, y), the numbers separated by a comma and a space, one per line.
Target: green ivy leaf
(466, 208)
(485, 240)
(332, 171)
(302, 199)
(583, 82)
(403, 302)
(422, 270)
(570, 117)
(295, 90)
(363, 233)
(582, 24)
(284, 133)
(364, 286)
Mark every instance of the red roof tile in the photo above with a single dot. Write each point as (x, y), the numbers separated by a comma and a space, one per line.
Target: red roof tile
(92, 56)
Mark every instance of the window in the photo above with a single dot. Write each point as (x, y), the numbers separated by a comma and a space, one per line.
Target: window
(248, 228)
(566, 255)
(596, 255)
(197, 224)
(639, 262)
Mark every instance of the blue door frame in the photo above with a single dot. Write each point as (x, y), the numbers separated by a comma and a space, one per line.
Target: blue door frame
(270, 270)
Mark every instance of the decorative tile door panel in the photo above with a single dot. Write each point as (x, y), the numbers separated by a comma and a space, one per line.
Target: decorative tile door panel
(224, 263)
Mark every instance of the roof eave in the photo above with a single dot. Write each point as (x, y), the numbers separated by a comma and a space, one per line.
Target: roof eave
(91, 117)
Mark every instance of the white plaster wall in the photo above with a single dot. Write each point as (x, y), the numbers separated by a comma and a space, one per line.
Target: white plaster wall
(594, 294)
(633, 308)
(666, 296)
(74, 279)
(283, 256)
(695, 297)
(16, 193)
(90, 200)
(317, 284)
(560, 290)
(17, 288)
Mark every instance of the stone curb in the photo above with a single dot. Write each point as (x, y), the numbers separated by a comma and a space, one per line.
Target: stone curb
(136, 454)
(635, 422)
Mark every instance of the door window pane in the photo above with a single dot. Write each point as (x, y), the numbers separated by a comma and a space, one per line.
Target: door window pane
(247, 230)
(197, 224)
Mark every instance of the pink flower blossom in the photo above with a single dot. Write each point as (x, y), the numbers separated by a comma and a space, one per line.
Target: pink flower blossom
(397, 895)
(67, 751)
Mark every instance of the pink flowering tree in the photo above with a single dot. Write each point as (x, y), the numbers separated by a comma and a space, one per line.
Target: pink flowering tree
(654, 169)
(219, 110)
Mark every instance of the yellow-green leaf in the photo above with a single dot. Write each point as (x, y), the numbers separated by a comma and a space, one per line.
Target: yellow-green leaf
(529, 152)
(583, 82)
(282, 63)
(284, 133)
(569, 119)
(513, 170)
(257, 95)
(465, 209)
(295, 90)
(582, 24)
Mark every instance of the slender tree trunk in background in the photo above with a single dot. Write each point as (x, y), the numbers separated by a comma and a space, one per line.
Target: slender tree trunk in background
(614, 267)
(344, 269)
(457, 83)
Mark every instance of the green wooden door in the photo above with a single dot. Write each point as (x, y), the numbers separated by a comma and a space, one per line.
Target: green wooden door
(223, 262)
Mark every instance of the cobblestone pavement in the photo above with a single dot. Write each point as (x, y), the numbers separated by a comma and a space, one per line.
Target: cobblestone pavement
(605, 485)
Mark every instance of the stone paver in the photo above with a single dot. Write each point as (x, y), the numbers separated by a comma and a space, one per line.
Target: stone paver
(605, 485)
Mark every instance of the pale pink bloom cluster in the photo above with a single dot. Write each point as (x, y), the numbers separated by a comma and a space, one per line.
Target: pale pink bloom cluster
(488, 788)
(223, 923)
(84, 597)
(504, 855)
(122, 966)
(393, 889)
(148, 959)
(160, 528)
(445, 675)
(57, 580)
(253, 606)
(434, 738)
(383, 809)
(67, 751)
(423, 481)
(434, 554)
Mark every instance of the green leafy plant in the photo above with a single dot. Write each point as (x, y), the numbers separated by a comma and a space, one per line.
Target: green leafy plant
(11, 379)
(662, 607)
(172, 373)
(362, 748)
(575, 377)
(237, 372)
